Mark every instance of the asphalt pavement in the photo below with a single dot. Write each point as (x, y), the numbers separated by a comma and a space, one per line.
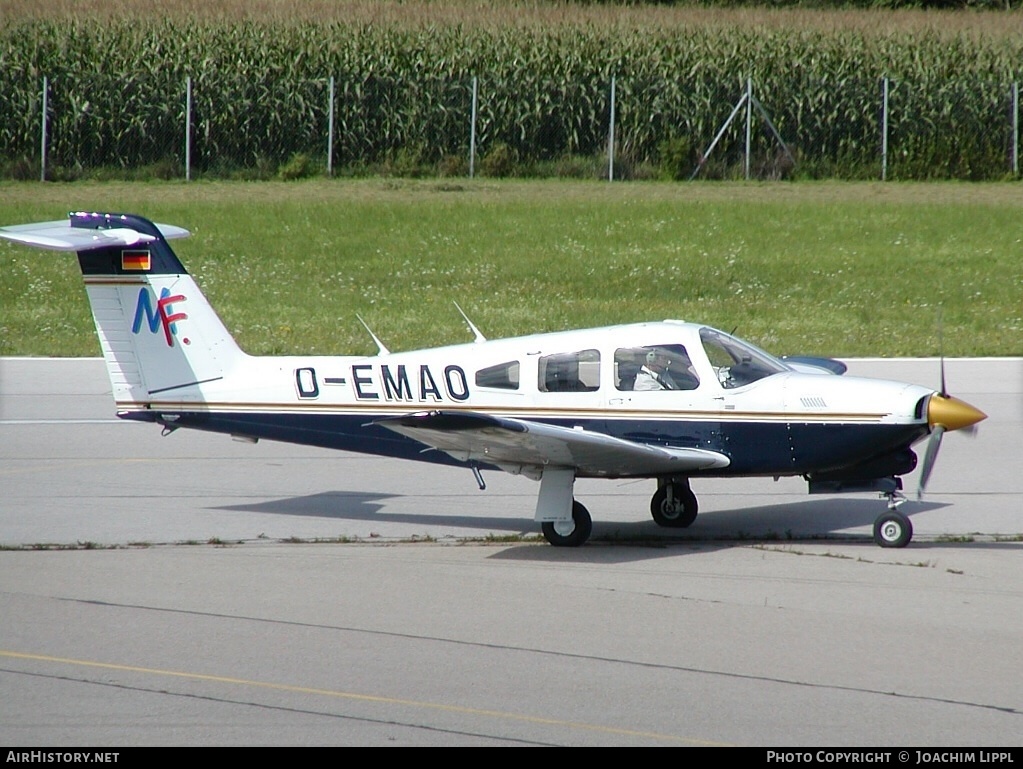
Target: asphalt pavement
(191, 590)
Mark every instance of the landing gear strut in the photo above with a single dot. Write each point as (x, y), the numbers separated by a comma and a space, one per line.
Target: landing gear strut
(569, 533)
(674, 504)
(895, 499)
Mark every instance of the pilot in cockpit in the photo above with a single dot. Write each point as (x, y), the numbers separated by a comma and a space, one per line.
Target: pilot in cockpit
(661, 372)
(654, 373)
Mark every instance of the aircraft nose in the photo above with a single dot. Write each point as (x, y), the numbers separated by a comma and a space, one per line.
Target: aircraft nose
(951, 413)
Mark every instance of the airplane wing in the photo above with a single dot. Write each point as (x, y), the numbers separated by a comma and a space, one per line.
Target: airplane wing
(525, 446)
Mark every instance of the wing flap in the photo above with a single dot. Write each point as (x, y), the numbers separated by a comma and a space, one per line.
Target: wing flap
(502, 441)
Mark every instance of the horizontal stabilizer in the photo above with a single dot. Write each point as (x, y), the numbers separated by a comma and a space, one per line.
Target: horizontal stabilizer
(62, 236)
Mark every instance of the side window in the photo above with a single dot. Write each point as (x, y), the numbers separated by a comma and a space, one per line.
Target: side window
(574, 372)
(628, 362)
(503, 376)
(655, 367)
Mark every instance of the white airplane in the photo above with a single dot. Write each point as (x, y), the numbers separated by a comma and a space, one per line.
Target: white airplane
(669, 401)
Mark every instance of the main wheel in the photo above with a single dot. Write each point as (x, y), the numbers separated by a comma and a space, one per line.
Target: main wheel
(677, 511)
(569, 533)
(893, 529)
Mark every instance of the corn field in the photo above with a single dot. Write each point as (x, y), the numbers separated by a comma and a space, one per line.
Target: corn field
(252, 97)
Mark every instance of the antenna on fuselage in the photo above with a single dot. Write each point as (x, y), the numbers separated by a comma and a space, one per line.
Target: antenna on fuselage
(381, 349)
(476, 332)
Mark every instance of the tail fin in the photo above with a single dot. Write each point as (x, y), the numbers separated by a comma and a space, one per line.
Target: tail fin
(160, 336)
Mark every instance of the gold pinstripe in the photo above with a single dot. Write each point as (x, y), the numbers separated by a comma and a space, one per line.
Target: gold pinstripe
(513, 411)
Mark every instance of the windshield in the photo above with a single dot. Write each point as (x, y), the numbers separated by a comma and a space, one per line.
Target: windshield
(736, 362)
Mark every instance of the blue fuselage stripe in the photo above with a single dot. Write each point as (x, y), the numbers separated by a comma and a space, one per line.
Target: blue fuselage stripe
(755, 448)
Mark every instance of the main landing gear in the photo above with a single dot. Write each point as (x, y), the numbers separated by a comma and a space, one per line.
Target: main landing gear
(569, 533)
(674, 504)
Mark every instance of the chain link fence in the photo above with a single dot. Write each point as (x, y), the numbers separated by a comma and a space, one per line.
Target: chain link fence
(230, 126)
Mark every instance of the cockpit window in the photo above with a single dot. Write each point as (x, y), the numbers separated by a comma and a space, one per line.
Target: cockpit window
(735, 362)
(503, 376)
(655, 367)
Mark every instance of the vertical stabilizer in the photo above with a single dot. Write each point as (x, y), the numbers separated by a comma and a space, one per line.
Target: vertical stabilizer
(160, 337)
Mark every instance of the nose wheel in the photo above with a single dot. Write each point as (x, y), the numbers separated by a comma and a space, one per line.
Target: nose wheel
(674, 505)
(893, 529)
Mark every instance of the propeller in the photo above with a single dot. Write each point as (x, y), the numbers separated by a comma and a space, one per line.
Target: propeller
(929, 456)
(945, 413)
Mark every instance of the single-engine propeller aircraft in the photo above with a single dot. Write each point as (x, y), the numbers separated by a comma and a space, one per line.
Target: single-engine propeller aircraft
(669, 401)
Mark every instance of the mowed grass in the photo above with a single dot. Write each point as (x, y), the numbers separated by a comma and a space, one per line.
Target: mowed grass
(827, 269)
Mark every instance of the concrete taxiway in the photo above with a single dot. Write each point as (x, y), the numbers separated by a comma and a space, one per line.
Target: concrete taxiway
(201, 604)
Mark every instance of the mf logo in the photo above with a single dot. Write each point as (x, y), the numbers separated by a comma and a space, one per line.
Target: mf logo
(161, 316)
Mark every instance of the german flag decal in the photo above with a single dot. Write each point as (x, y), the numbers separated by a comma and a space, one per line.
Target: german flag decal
(135, 260)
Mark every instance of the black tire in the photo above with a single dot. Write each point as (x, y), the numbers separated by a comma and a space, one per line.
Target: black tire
(893, 529)
(582, 526)
(676, 516)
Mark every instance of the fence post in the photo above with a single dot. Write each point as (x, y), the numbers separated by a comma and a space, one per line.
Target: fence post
(42, 149)
(884, 129)
(472, 131)
(611, 136)
(749, 123)
(330, 129)
(188, 128)
(1015, 129)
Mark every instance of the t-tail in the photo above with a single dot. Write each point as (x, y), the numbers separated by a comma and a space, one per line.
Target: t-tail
(159, 335)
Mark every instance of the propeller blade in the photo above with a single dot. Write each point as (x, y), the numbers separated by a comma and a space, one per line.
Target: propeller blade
(945, 413)
(932, 453)
(941, 353)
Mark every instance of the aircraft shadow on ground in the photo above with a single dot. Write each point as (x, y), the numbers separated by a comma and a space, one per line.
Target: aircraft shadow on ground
(806, 519)
(809, 519)
(347, 505)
